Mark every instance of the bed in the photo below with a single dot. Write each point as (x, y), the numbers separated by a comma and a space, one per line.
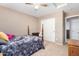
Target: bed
(23, 45)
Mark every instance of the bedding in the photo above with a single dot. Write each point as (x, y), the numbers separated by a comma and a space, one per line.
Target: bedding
(3, 42)
(3, 36)
(10, 36)
(22, 46)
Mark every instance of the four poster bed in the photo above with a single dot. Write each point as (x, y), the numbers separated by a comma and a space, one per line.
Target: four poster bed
(23, 45)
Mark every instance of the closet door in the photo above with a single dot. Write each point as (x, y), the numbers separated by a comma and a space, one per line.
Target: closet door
(74, 29)
(49, 29)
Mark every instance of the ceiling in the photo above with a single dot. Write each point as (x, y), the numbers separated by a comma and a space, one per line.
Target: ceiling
(30, 10)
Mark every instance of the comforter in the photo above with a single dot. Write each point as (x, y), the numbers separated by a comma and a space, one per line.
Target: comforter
(22, 46)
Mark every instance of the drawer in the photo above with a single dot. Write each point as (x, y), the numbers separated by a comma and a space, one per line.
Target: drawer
(73, 51)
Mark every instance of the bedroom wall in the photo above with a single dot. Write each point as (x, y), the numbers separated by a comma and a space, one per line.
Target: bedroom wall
(16, 23)
(60, 28)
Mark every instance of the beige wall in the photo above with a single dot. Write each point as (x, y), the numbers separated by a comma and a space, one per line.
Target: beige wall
(16, 23)
(59, 25)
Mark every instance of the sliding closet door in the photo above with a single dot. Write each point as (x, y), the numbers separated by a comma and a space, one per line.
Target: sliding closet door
(49, 29)
(74, 30)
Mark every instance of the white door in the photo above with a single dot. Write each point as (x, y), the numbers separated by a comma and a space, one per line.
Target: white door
(74, 29)
(49, 29)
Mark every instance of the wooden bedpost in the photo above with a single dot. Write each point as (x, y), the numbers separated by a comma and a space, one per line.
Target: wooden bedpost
(28, 30)
(42, 33)
(43, 36)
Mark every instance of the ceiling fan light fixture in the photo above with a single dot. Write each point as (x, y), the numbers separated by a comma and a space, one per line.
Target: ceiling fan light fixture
(36, 6)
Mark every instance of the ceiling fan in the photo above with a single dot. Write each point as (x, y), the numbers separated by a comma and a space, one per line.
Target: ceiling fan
(37, 5)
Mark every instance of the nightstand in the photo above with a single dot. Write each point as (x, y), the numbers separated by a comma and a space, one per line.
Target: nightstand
(35, 34)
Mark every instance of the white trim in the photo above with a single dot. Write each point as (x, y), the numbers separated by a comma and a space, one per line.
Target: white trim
(72, 16)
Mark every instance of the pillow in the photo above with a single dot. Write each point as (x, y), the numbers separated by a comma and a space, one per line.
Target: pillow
(3, 36)
(2, 42)
(10, 36)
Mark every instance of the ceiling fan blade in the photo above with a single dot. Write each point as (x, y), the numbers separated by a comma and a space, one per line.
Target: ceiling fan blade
(29, 3)
(44, 5)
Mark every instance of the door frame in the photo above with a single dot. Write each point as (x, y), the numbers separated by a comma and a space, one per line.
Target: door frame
(66, 18)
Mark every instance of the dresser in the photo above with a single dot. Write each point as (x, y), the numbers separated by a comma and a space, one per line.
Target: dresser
(73, 47)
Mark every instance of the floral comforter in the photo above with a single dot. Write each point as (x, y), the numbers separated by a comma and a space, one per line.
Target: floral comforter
(22, 46)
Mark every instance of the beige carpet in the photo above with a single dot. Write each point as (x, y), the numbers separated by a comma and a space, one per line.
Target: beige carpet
(52, 49)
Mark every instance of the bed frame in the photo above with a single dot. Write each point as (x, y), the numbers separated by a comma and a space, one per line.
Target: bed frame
(42, 34)
(28, 30)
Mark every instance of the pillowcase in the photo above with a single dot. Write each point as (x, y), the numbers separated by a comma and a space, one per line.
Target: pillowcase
(10, 36)
(3, 36)
(2, 42)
